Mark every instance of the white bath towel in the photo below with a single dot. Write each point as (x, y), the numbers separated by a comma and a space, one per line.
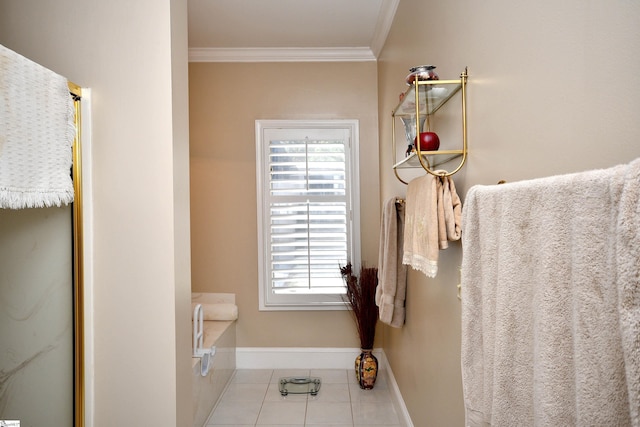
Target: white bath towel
(543, 340)
(392, 273)
(36, 134)
(217, 311)
(433, 217)
(628, 281)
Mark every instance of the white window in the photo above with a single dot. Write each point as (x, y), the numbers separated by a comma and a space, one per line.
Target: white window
(308, 211)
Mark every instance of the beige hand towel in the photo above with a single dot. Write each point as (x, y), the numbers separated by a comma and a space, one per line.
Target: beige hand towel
(433, 218)
(421, 225)
(449, 212)
(392, 273)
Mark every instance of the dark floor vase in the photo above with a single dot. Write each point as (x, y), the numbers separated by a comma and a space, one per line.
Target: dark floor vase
(366, 369)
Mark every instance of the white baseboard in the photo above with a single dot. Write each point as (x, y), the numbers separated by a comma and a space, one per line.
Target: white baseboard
(296, 357)
(398, 401)
(318, 358)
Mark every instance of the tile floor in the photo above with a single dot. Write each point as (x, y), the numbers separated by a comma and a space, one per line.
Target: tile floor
(253, 399)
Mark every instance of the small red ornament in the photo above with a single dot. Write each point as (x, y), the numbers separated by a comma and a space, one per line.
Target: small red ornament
(429, 141)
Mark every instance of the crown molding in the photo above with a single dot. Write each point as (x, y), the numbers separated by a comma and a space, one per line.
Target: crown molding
(320, 54)
(383, 26)
(306, 54)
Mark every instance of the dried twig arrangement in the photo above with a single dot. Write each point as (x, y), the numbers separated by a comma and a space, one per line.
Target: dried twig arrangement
(361, 296)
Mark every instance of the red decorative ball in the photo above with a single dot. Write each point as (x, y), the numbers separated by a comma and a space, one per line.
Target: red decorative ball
(429, 141)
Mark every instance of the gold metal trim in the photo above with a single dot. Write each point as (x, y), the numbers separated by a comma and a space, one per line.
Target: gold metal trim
(78, 264)
(75, 90)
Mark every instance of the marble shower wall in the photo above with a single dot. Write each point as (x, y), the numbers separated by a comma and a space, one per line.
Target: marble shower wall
(36, 316)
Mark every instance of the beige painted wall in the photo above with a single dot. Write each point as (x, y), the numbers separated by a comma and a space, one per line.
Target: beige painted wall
(185, 407)
(123, 51)
(225, 100)
(552, 90)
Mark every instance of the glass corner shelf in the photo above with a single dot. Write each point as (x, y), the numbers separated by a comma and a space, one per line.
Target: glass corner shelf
(431, 95)
(299, 385)
(433, 158)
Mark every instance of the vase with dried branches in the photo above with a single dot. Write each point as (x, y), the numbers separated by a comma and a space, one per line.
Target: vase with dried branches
(361, 297)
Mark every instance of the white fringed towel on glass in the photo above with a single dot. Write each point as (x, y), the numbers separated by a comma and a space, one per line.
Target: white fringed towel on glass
(218, 311)
(36, 134)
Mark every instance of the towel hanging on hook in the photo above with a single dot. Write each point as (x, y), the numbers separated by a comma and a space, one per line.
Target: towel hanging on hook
(36, 160)
(433, 216)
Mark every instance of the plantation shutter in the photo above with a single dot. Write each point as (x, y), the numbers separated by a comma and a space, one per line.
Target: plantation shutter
(308, 213)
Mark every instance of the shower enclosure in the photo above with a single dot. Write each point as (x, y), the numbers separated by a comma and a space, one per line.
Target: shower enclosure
(41, 357)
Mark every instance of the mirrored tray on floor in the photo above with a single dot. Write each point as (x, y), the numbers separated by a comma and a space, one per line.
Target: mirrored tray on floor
(299, 385)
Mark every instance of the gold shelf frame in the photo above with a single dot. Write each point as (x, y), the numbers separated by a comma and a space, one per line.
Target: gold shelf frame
(422, 156)
(75, 92)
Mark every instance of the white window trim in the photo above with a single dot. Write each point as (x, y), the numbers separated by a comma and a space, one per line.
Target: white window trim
(306, 301)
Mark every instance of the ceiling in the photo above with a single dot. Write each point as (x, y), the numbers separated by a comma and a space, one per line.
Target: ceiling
(288, 30)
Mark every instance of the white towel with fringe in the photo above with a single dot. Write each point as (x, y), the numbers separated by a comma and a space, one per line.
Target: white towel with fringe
(551, 301)
(36, 134)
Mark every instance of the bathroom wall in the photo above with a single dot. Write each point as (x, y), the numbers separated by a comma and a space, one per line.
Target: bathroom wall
(552, 90)
(133, 56)
(225, 100)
